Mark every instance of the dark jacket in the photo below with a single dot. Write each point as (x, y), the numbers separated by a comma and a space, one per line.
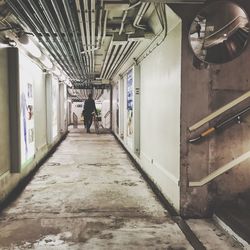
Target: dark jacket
(89, 107)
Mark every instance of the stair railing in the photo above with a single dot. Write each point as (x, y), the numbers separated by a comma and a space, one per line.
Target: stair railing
(213, 35)
(219, 111)
(236, 117)
(220, 170)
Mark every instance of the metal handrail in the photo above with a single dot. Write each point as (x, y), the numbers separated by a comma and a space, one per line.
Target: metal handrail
(235, 117)
(219, 111)
(224, 27)
(220, 170)
(106, 115)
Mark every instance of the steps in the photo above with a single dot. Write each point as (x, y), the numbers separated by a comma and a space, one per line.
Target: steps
(236, 215)
(229, 48)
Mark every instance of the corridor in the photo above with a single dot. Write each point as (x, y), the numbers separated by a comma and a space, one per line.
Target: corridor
(88, 195)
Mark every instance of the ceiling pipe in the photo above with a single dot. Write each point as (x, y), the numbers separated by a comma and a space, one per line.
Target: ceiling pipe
(140, 15)
(104, 27)
(155, 41)
(65, 31)
(111, 58)
(120, 55)
(51, 32)
(92, 19)
(75, 38)
(125, 13)
(100, 26)
(96, 46)
(34, 27)
(65, 50)
(83, 36)
(87, 28)
(131, 50)
(124, 56)
(106, 58)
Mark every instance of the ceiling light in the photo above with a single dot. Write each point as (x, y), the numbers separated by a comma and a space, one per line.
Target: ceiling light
(63, 77)
(57, 71)
(47, 63)
(32, 49)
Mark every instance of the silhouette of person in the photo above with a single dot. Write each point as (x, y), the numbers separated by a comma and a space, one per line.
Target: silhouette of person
(198, 29)
(88, 109)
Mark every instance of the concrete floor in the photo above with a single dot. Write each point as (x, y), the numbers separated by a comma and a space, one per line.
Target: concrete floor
(89, 196)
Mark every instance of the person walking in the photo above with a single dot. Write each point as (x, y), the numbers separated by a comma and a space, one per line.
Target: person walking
(198, 29)
(88, 109)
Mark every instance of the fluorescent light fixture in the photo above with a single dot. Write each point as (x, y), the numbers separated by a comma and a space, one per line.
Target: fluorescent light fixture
(63, 77)
(32, 49)
(47, 63)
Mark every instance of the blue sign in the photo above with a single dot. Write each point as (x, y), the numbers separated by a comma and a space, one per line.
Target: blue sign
(130, 102)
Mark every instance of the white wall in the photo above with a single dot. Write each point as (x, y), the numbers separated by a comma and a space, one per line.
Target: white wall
(28, 70)
(160, 115)
(160, 97)
(27, 67)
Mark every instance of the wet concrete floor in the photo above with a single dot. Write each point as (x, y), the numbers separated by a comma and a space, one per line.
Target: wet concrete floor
(88, 195)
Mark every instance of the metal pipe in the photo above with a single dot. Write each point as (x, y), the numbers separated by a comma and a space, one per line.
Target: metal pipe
(83, 36)
(37, 26)
(65, 31)
(119, 57)
(163, 31)
(87, 28)
(106, 58)
(51, 32)
(92, 24)
(125, 13)
(100, 26)
(72, 26)
(65, 51)
(140, 15)
(105, 26)
(117, 47)
(134, 5)
(129, 53)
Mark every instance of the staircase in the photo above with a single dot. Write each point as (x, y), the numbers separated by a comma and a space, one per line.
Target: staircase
(228, 49)
(235, 214)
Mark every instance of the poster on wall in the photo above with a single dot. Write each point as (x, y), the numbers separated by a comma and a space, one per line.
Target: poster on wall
(117, 108)
(27, 118)
(130, 102)
(55, 96)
